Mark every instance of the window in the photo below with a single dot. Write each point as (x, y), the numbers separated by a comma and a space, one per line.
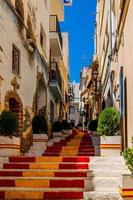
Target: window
(15, 60)
(43, 39)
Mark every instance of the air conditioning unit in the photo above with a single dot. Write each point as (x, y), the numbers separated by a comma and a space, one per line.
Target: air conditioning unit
(28, 46)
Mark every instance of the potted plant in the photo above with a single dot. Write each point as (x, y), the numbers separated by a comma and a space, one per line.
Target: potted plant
(40, 134)
(86, 123)
(92, 125)
(126, 180)
(65, 125)
(9, 138)
(79, 125)
(57, 128)
(108, 128)
(128, 156)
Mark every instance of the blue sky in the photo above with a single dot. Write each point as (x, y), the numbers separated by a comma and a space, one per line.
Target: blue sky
(79, 22)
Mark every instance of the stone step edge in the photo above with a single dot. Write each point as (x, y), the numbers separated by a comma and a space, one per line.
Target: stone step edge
(67, 170)
(58, 178)
(52, 163)
(55, 190)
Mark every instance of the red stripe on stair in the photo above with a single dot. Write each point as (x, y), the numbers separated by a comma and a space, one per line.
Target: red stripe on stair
(50, 154)
(76, 159)
(2, 195)
(63, 195)
(16, 166)
(11, 173)
(73, 166)
(21, 159)
(7, 183)
(70, 174)
(66, 183)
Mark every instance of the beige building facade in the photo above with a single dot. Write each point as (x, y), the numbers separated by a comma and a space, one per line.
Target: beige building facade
(28, 46)
(114, 43)
(59, 64)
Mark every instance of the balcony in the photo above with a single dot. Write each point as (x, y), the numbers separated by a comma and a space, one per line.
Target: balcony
(57, 8)
(55, 80)
(55, 36)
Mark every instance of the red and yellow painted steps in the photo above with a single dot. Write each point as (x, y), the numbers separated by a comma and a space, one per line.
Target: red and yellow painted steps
(81, 144)
(48, 177)
(42, 183)
(33, 173)
(127, 194)
(38, 195)
(46, 166)
(49, 159)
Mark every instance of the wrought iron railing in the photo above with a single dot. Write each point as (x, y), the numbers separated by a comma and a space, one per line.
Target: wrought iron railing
(55, 74)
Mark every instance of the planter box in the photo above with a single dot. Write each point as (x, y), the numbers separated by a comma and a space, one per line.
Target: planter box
(57, 134)
(110, 145)
(39, 144)
(9, 146)
(69, 131)
(126, 186)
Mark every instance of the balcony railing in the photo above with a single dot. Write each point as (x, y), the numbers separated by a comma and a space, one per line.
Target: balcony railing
(54, 26)
(55, 75)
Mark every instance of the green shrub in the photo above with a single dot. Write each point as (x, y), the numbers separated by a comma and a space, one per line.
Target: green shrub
(108, 122)
(57, 126)
(79, 124)
(92, 126)
(72, 124)
(128, 156)
(8, 123)
(86, 123)
(65, 125)
(39, 125)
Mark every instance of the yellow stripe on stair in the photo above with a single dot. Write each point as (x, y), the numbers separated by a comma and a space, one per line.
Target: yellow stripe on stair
(43, 166)
(10, 195)
(38, 174)
(32, 183)
(126, 193)
(49, 159)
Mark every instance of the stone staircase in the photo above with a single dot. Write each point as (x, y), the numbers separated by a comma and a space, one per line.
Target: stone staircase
(104, 173)
(66, 170)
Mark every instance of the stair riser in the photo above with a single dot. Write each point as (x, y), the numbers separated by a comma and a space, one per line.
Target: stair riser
(28, 183)
(48, 159)
(46, 166)
(64, 167)
(11, 195)
(42, 174)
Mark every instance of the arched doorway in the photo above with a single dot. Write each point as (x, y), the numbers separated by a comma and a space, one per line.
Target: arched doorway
(41, 94)
(14, 104)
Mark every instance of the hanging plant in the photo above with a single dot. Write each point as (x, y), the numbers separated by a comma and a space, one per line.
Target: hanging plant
(20, 8)
(30, 34)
